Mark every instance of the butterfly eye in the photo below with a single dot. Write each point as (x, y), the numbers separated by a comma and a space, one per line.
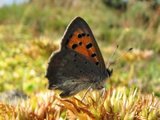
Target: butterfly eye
(89, 45)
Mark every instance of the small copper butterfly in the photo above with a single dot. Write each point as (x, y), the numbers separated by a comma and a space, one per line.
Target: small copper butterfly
(78, 64)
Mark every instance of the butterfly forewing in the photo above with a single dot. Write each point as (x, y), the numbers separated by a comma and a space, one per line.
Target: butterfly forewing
(79, 38)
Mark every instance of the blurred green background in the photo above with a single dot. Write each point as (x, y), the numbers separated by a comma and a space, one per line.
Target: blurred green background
(31, 31)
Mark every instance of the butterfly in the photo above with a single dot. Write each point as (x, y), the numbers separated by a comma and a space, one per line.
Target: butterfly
(78, 64)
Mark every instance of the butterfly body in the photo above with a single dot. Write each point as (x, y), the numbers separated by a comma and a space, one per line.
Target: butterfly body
(78, 64)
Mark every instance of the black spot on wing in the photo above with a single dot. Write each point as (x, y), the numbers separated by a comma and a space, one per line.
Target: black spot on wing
(74, 46)
(89, 45)
(93, 55)
(83, 34)
(97, 63)
(80, 43)
(79, 36)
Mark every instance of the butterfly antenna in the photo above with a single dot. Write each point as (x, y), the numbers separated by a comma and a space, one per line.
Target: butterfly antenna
(108, 64)
(88, 89)
(129, 50)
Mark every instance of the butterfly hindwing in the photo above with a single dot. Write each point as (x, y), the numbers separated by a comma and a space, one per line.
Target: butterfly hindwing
(71, 72)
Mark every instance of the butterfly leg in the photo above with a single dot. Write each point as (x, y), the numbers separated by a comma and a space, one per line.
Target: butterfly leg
(88, 89)
(102, 92)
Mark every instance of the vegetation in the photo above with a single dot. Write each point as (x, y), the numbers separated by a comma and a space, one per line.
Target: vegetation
(30, 32)
(115, 104)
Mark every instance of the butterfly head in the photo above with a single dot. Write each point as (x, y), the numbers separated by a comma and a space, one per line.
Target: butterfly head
(109, 72)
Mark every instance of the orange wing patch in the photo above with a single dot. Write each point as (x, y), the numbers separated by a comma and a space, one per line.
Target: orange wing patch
(82, 43)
